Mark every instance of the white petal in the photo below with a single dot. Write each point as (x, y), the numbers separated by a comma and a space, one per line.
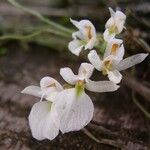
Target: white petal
(51, 96)
(49, 82)
(74, 22)
(75, 47)
(86, 29)
(120, 16)
(110, 43)
(33, 90)
(95, 59)
(109, 23)
(77, 35)
(112, 13)
(68, 75)
(120, 26)
(117, 18)
(50, 87)
(51, 125)
(43, 121)
(91, 43)
(114, 76)
(83, 24)
(131, 61)
(114, 60)
(74, 112)
(107, 36)
(101, 86)
(86, 70)
(120, 53)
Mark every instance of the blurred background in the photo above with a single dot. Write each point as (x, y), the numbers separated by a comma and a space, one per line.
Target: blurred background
(32, 47)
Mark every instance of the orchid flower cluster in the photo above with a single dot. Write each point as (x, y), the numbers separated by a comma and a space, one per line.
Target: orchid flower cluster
(69, 108)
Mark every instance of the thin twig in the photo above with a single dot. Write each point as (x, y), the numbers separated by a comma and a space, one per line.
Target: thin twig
(42, 18)
(36, 33)
(136, 86)
(143, 44)
(102, 129)
(72, 10)
(147, 114)
(103, 141)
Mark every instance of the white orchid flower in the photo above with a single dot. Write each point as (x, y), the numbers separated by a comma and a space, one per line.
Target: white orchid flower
(115, 24)
(43, 119)
(48, 89)
(85, 38)
(74, 105)
(114, 47)
(111, 64)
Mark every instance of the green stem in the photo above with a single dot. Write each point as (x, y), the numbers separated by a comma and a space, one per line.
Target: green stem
(26, 37)
(39, 16)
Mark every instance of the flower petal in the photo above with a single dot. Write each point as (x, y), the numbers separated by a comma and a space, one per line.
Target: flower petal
(120, 53)
(43, 121)
(91, 43)
(85, 70)
(101, 86)
(50, 87)
(75, 23)
(131, 61)
(86, 28)
(77, 35)
(75, 47)
(107, 36)
(112, 13)
(112, 47)
(68, 75)
(49, 82)
(120, 26)
(120, 17)
(116, 20)
(32, 90)
(95, 59)
(74, 112)
(114, 76)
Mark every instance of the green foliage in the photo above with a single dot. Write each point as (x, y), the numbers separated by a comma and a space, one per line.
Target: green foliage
(103, 47)
(3, 51)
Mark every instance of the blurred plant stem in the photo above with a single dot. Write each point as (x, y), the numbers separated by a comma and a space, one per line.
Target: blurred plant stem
(47, 35)
(35, 33)
(146, 113)
(51, 24)
(136, 102)
(109, 142)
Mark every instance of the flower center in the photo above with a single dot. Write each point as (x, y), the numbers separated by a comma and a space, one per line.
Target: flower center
(80, 83)
(79, 87)
(106, 66)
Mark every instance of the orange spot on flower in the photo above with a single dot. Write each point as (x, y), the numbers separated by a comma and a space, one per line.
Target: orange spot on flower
(114, 49)
(88, 31)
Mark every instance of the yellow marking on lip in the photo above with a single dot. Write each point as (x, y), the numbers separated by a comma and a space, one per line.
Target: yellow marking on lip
(51, 85)
(107, 63)
(106, 66)
(88, 31)
(113, 29)
(114, 49)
